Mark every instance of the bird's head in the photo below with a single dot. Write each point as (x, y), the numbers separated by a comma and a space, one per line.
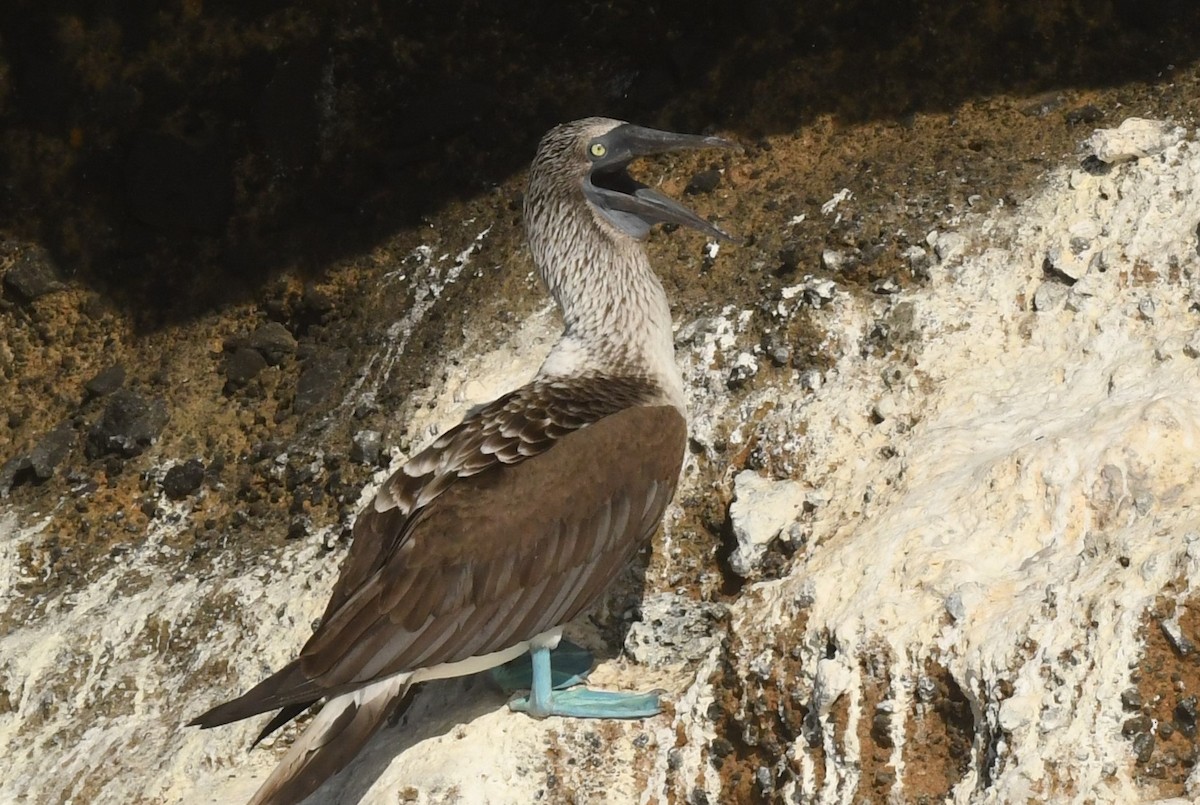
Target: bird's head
(585, 161)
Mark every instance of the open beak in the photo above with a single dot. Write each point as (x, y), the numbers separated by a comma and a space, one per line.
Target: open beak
(631, 206)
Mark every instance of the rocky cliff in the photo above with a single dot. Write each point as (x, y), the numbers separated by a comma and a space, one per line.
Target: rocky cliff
(937, 537)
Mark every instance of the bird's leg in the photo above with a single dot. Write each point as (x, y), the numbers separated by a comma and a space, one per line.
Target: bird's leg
(579, 702)
(569, 666)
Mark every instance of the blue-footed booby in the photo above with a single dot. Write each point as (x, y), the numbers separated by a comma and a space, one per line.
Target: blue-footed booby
(487, 542)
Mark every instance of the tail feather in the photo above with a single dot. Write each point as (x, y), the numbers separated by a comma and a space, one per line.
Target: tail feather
(282, 717)
(335, 736)
(287, 686)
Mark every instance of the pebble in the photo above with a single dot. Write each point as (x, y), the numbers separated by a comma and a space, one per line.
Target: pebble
(273, 341)
(703, 182)
(106, 381)
(1143, 747)
(241, 366)
(366, 447)
(40, 463)
(129, 424)
(183, 479)
(946, 245)
(320, 375)
(32, 275)
(1049, 296)
(1131, 699)
(745, 367)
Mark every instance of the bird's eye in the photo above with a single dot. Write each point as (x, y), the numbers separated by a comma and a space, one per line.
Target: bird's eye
(598, 149)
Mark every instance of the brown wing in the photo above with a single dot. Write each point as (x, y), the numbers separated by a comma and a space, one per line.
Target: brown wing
(496, 558)
(501, 557)
(517, 426)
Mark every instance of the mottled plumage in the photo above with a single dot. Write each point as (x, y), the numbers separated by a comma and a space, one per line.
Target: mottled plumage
(511, 524)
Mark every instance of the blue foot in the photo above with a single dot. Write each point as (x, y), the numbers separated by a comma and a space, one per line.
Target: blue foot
(546, 700)
(569, 666)
(584, 703)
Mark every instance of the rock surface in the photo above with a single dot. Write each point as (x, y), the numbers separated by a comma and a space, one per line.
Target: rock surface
(989, 592)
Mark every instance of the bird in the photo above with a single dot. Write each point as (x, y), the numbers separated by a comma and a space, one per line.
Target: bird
(483, 545)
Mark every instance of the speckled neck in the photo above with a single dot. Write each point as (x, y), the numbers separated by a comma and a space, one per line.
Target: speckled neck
(616, 316)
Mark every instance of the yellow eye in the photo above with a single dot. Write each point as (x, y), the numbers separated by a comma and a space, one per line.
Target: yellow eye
(598, 150)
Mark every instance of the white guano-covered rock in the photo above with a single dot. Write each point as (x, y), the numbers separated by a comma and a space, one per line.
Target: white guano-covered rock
(761, 511)
(1135, 138)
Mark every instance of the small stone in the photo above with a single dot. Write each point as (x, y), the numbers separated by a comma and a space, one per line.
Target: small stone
(721, 747)
(273, 341)
(745, 367)
(298, 529)
(811, 379)
(1185, 716)
(947, 245)
(106, 381)
(1143, 747)
(834, 260)
(703, 182)
(918, 261)
(32, 275)
(886, 286)
(779, 351)
(764, 779)
(1178, 640)
(1136, 726)
(366, 447)
(1049, 296)
(241, 366)
(51, 449)
(1084, 115)
(881, 730)
(1131, 699)
(1146, 309)
(130, 423)
(183, 479)
(321, 374)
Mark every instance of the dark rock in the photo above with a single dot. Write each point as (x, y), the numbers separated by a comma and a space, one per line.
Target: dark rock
(297, 529)
(1131, 699)
(15, 472)
(881, 730)
(321, 374)
(1143, 747)
(273, 341)
(130, 423)
(32, 275)
(366, 447)
(241, 366)
(703, 182)
(316, 303)
(106, 382)
(1085, 115)
(39, 464)
(1185, 716)
(1135, 726)
(183, 479)
(51, 449)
